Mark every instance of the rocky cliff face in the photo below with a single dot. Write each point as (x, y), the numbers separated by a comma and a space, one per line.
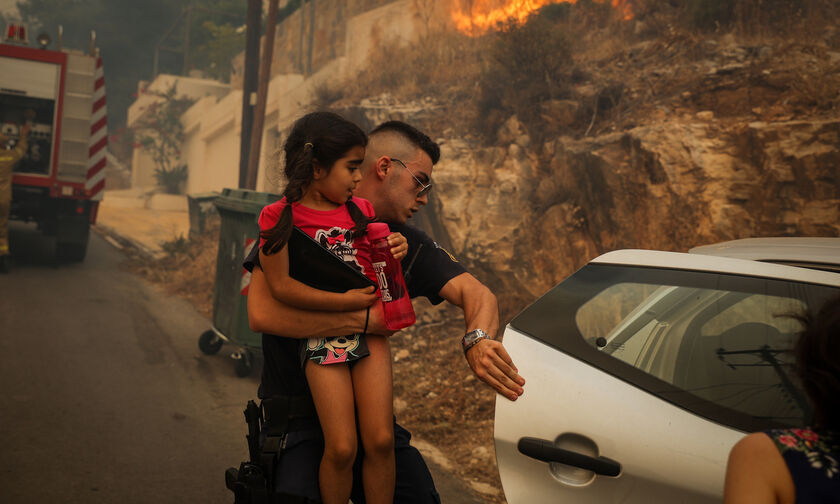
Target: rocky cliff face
(525, 216)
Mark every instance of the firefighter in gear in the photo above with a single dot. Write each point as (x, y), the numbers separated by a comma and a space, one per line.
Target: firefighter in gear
(8, 159)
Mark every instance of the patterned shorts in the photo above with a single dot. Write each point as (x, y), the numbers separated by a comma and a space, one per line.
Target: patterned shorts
(334, 350)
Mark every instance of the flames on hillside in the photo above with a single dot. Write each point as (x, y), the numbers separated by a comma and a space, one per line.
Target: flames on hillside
(483, 17)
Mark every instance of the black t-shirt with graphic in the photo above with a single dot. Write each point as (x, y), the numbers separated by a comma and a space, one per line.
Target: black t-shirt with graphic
(427, 268)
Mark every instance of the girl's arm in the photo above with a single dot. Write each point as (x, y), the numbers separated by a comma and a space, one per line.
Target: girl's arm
(297, 294)
(756, 473)
(268, 315)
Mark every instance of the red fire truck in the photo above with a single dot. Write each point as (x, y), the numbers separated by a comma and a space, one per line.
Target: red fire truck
(61, 95)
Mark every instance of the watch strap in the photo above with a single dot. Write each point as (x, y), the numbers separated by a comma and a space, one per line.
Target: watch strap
(472, 338)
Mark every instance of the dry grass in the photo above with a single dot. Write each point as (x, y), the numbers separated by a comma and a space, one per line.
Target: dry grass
(443, 65)
(188, 271)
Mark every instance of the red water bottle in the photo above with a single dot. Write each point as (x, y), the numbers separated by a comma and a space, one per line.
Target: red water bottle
(392, 290)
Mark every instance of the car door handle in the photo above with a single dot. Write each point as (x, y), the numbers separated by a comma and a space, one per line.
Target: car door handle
(542, 449)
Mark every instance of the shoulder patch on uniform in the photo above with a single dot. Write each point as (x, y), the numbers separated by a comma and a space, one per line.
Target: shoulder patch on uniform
(437, 245)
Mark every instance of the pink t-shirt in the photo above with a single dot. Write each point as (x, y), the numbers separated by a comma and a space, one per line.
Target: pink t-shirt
(331, 228)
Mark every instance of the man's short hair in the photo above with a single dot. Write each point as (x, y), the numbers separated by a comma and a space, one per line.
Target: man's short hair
(413, 135)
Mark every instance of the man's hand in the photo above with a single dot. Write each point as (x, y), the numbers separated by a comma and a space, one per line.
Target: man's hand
(491, 363)
(24, 130)
(376, 320)
(399, 245)
(488, 359)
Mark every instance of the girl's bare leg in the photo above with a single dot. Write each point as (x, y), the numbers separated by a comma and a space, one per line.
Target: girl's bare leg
(373, 388)
(332, 392)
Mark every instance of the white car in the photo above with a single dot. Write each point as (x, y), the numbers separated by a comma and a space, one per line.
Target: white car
(643, 369)
(815, 253)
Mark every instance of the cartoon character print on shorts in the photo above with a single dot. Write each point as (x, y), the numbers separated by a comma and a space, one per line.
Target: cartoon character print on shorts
(336, 349)
(339, 241)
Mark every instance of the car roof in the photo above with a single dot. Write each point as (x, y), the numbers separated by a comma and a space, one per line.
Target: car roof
(816, 253)
(726, 265)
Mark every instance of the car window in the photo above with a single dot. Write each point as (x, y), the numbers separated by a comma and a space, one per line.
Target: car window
(731, 348)
(716, 344)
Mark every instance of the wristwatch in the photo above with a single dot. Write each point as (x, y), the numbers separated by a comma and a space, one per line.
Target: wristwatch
(473, 337)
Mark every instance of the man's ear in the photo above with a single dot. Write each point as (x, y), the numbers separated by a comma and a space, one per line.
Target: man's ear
(381, 166)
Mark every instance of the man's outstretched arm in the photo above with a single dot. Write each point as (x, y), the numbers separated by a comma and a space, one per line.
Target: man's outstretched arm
(488, 358)
(267, 315)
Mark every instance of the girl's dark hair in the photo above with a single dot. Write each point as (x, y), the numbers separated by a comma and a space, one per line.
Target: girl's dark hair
(322, 138)
(818, 362)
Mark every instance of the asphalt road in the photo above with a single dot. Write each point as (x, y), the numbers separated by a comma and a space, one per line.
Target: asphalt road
(104, 395)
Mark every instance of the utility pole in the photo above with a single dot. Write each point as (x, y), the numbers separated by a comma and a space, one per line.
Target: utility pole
(262, 95)
(187, 41)
(311, 37)
(249, 86)
(302, 10)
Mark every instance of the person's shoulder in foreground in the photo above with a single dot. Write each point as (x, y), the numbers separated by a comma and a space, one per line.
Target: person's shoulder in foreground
(756, 472)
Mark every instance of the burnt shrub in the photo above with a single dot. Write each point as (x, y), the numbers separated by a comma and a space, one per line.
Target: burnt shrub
(745, 15)
(710, 14)
(528, 65)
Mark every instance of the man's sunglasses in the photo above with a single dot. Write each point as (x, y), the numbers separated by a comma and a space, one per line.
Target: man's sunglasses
(424, 188)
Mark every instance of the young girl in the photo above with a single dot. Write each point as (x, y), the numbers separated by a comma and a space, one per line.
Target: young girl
(349, 376)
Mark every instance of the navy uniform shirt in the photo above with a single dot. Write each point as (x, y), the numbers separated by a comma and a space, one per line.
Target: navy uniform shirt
(427, 268)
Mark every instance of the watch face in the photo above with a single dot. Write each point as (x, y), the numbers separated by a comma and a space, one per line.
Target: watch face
(473, 336)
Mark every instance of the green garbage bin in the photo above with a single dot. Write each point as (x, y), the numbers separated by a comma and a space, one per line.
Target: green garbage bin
(200, 207)
(239, 210)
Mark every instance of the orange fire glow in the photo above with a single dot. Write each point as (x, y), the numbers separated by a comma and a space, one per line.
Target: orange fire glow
(518, 10)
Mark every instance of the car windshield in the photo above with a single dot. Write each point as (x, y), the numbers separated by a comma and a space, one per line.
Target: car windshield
(715, 344)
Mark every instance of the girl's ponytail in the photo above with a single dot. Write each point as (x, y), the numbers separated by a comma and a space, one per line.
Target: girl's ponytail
(299, 172)
(359, 219)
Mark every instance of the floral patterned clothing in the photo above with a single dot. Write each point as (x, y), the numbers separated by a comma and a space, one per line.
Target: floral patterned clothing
(813, 459)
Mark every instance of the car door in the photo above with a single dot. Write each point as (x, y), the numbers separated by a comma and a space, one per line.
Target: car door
(643, 369)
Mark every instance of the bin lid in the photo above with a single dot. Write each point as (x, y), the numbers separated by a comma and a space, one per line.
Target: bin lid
(245, 200)
(203, 196)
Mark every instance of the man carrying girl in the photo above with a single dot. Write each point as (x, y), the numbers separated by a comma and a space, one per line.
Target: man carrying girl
(396, 178)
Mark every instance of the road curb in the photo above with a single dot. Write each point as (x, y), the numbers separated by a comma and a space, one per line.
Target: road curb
(122, 242)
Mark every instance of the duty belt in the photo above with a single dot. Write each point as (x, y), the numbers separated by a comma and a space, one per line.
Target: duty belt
(288, 414)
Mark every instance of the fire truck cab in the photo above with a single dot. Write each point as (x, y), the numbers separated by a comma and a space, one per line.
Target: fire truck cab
(60, 93)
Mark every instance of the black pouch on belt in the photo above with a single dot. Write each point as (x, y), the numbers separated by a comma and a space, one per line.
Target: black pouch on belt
(283, 414)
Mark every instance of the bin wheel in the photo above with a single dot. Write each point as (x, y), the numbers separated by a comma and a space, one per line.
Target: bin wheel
(209, 342)
(244, 364)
